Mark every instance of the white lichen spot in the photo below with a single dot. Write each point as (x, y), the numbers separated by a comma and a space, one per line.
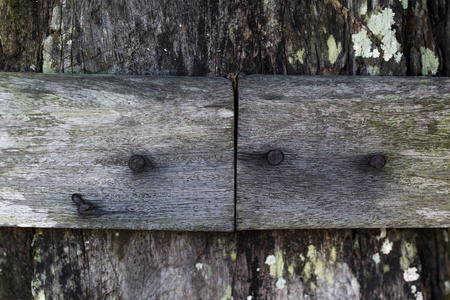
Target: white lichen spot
(413, 289)
(398, 57)
(419, 296)
(117, 233)
(410, 275)
(375, 53)
(249, 297)
(258, 269)
(362, 44)
(333, 49)
(430, 63)
(270, 260)
(199, 266)
(381, 24)
(447, 287)
(376, 258)
(280, 283)
(363, 9)
(79, 252)
(386, 247)
(404, 3)
(302, 257)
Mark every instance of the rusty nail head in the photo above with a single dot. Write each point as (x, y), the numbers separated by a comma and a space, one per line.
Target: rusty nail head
(378, 161)
(275, 157)
(82, 205)
(136, 163)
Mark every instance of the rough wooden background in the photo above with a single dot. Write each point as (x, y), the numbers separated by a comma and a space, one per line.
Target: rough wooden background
(215, 38)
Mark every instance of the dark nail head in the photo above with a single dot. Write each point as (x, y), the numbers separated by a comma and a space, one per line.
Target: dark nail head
(378, 161)
(136, 163)
(77, 199)
(275, 157)
(84, 208)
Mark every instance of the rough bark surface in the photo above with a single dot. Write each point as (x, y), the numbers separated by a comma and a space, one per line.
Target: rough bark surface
(212, 37)
(307, 264)
(215, 38)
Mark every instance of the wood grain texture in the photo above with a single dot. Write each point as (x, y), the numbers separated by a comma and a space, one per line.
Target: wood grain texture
(288, 264)
(328, 129)
(209, 37)
(265, 28)
(74, 134)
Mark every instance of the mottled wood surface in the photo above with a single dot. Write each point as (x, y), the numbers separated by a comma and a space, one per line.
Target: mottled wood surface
(307, 264)
(328, 129)
(211, 37)
(268, 37)
(65, 134)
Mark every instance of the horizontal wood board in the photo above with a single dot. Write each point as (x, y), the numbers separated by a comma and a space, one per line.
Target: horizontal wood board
(64, 134)
(328, 129)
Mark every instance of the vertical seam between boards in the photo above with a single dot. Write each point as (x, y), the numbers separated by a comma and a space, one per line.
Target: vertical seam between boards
(234, 83)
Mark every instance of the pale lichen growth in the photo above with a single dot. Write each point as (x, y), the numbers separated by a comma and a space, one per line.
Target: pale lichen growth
(333, 254)
(410, 275)
(199, 266)
(270, 260)
(404, 3)
(386, 248)
(362, 44)
(381, 24)
(280, 283)
(409, 252)
(227, 293)
(277, 267)
(333, 49)
(233, 255)
(430, 63)
(291, 270)
(363, 8)
(376, 258)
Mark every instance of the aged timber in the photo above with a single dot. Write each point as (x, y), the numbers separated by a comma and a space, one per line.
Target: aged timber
(329, 129)
(215, 38)
(65, 134)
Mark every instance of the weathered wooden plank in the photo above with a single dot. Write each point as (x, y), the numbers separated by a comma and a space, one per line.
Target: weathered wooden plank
(75, 134)
(282, 264)
(329, 128)
(211, 37)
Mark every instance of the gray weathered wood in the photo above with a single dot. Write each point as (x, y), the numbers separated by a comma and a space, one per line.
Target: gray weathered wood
(74, 134)
(329, 128)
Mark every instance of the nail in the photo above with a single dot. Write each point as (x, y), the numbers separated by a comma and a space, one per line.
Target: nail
(136, 163)
(82, 205)
(275, 157)
(378, 161)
